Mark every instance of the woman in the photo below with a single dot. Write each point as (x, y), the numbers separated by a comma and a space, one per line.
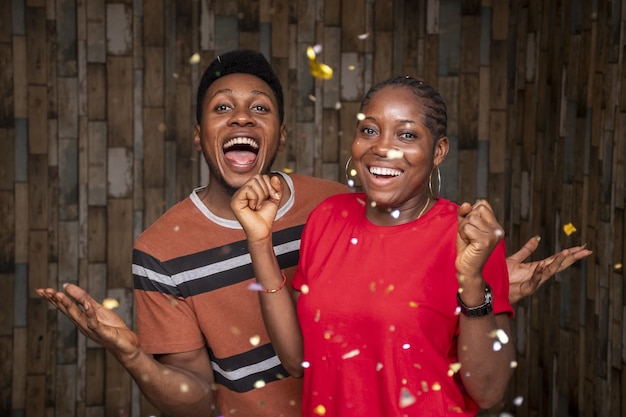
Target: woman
(402, 296)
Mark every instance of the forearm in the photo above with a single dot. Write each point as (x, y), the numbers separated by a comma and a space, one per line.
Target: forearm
(485, 352)
(175, 391)
(278, 308)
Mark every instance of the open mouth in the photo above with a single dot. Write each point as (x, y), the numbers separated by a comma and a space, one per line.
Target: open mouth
(241, 151)
(384, 172)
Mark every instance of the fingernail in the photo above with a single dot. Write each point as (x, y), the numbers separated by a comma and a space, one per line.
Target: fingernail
(65, 285)
(538, 238)
(584, 245)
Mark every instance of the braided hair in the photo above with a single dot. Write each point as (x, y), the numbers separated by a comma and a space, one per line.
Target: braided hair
(436, 118)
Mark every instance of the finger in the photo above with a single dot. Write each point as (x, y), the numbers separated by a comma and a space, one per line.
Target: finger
(525, 251)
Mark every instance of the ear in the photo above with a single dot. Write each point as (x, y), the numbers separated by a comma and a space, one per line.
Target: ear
(196, 139)
(282, 140)
(442, 146)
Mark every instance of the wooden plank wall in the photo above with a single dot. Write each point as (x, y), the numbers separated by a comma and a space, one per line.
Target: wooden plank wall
(96, 122)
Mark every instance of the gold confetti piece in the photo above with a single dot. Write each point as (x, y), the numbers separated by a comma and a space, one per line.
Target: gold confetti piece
(318, 70)
(406, 398)
(110, 303)
(569, 228)
(513, 364)
(255, 340)
(424, 386)
(394, 154)
(413, 304)
(618, 267)
(436, 386)
(287, 170)
(454, 368)
(317, 316)
(195, 58)
(351, 67)
(184, 387)
(320, 410)
(304, 289)
(351, 354)
(259, 384)
(502, 336)
(389, 288)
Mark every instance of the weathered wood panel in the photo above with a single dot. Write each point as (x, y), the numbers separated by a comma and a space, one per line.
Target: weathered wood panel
(97, 117)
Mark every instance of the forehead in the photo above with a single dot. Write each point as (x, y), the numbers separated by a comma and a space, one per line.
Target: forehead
(240, 83)
(397, 102)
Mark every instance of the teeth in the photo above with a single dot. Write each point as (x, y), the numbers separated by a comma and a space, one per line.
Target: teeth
(241, 141)
(388, 172)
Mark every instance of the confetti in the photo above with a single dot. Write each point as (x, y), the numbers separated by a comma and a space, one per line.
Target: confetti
(513, 364)
(184, 387)
(363, 36)
(195, 58)
(259, 384)
(320, 410)
(436, 386)
(354, 240)
(569, 228)
(413, 304)
(287, 170)
(497, 346)
(519, 400)
(502, 336)
(110, 303)
(255, 286)
(255, 340)
(618, 267)
(338, 105)
(318, 70)
(454, 368)
(304, 289)
(360, 116)
(351, 354)
(379, 366)
(306, 364)
(406, 346)
(394, 154)
(395, 213)
(406, 398)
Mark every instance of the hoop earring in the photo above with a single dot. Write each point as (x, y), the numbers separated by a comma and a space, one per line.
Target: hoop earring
(350, 174)
(430, 182)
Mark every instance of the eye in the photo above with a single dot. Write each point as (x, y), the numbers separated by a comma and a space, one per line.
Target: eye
(408, 135)
(222, 107)
(260, 108)
(368, 131)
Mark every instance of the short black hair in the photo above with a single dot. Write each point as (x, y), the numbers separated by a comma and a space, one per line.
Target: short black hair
(238, 62)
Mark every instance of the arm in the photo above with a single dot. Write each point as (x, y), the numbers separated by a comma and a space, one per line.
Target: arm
(178, 384)
(485, 371)
(255, 206)
(526, 278)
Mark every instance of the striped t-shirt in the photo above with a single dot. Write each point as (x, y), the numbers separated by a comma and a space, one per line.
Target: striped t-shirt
(192, 276)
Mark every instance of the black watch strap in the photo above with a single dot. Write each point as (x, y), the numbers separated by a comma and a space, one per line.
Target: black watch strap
(478, 311)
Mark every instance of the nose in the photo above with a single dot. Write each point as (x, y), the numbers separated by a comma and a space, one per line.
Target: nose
(383, 144)
(241, 116)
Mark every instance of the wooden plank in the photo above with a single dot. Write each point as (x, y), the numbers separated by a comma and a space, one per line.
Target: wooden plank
(154, 24)
(96, 92)
(352, 68)
(68, 179)
(96, 31)
(35, 21)
(468, 111)
(8, 241)
(119, 29)
(35, 392)
(497, 143)
(119, 102)
(65, 397)
(500, 22)
(68, 111)
(37, 119)
(498, 76)
(280, 26)
(6, 371)
(119, 242)
(119, 172)
(153, 93)
(154, 147)
(7, 104)
(96, 231)
(95, 377)
(353, 24)
(383, 56)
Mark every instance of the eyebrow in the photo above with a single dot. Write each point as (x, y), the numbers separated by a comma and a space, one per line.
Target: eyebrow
(405, 121)
(230, 91)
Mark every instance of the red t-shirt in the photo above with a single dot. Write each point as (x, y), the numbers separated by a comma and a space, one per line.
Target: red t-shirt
(379, 317)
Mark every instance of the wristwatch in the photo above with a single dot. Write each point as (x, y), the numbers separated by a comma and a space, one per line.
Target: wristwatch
(478, 311)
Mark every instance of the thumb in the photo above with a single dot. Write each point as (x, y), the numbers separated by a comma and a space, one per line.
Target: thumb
(277, 188)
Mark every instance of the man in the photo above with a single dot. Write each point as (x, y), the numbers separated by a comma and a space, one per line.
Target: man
(201, 341)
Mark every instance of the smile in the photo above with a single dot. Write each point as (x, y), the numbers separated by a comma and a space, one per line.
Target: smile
(385, 172)
(241, 151)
